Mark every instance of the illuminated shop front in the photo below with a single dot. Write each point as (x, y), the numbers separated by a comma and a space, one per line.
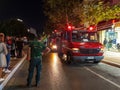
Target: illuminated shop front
(112, 35)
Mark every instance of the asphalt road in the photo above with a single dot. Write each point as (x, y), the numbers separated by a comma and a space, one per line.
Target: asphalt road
(58, 76)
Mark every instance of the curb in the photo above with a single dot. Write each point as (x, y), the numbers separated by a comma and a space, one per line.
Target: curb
(111, 63)
(11, 74)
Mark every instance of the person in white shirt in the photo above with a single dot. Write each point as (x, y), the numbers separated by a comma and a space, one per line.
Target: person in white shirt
(3, 52)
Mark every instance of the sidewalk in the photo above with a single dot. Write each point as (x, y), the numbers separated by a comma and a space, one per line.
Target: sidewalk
(14, 65)
(112, 58)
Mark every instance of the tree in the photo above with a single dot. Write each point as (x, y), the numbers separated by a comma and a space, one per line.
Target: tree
(60, 12)
(79, 12)
(93, 12)
(13, 27)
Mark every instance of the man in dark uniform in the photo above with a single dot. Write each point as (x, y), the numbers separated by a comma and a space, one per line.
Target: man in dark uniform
(35, 52)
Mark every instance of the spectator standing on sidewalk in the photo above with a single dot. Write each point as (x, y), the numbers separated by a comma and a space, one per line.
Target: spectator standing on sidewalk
(35, 52)
(105, 43)
(13, 47)
(19, 47)
(109, 44)
(3, 50)
(8, 57)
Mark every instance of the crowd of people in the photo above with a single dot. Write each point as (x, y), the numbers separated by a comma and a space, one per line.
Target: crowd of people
(10, 47)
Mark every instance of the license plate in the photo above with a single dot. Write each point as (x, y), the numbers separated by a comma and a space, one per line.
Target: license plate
(90, 57)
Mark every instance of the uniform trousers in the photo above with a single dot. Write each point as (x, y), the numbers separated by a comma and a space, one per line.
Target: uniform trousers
(34, 63)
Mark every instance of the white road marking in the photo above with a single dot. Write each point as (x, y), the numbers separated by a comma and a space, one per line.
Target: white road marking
(103, 77)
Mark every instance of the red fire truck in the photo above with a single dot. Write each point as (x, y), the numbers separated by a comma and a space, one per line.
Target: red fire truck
(79, 44)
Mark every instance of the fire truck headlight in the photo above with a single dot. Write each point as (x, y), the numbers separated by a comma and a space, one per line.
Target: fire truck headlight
(75, 50)
(102, 50)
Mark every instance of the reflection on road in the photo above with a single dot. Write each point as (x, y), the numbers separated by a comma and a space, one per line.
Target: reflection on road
(57, 74)
(54, 64)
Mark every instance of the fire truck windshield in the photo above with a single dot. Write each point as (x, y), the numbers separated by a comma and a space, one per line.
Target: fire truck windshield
(78, 36)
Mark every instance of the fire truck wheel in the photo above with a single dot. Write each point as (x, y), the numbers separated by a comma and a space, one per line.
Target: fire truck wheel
(69, 59)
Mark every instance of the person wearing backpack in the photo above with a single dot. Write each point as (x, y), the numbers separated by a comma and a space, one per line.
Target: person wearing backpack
(35, 52)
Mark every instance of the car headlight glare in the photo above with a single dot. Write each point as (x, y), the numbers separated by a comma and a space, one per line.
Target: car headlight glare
(75, 50)
(54, 47)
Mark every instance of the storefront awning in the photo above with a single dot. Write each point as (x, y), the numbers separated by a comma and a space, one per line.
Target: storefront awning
(104, 26)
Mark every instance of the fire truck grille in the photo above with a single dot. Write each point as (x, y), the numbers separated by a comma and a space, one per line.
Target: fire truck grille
(89, 51)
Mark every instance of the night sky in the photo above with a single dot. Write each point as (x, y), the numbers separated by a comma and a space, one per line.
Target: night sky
(30, 11)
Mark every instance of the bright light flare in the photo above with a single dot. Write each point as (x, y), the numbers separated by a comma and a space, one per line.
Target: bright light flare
(54, 46)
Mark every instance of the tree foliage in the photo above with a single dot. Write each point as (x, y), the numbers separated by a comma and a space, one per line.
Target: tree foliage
(60, 12)
(12, 27)
(79, 12)
(93, 12)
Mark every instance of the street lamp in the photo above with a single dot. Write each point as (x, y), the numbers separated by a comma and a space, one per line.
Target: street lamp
(20, 20)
